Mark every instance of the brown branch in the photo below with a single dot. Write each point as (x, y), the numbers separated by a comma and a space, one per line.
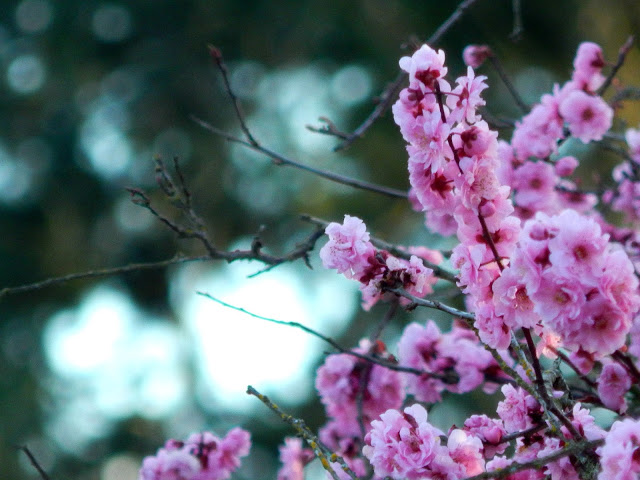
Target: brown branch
(622, 54)
(103, 272)
(539, 463)
(34, 462)
(423, 302)
(388, 95)
(325, 455)
(497, 65)
(281, 160)
(278, 159)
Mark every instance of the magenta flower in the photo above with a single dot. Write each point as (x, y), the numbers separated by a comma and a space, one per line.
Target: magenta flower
(618, 456)
(348, 248)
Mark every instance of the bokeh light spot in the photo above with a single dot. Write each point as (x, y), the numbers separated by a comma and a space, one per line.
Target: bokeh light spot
(26, 74)
(34, 16)
(351, 85)
(112, 23)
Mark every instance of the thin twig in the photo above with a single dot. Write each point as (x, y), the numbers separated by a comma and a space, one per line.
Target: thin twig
(322, 452)
(539, 463)
(281, 160)
(495, 62)
(516, 33)
(423, 302)
(329, 340)
(216, 54)
(622, 54)
(388, 95)
(103, 272)
(34, 462)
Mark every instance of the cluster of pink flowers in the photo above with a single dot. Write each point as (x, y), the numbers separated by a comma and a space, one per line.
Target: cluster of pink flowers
(350, 252)
(404, 445)
(203, 456)
(542, 273)
(626, 197)
(565, 279)
(454, 361)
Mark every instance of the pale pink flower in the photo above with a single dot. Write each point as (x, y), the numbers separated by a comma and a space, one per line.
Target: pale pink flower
(618, 456)
(565, 166)
(517, 409)
(425, 67)
(632, 136)
(613, 383)
(348, 248)
(588, 64)
(464, 100)
(475, 55)
(466, 449)
(406, 446)
(293, 458)
(490, 431)
(589, 117)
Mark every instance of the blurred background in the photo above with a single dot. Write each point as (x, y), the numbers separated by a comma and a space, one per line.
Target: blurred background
(95, 374)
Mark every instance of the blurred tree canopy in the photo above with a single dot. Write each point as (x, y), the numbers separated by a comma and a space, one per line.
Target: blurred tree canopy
(92, 91)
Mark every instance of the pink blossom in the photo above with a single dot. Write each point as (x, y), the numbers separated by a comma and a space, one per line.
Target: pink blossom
(561, 469)
(203, 456)
(540, 129)
(585, 424)
(589, 117)
(588, 65)
(169, 465)
(466, 449)
(602, 330)
(293, 458)
(465, 99)
(490, 431)
(348, 248)
(618, 456)
(517, 409)
(613, 383)
(475, 55)
(425, 67)
(632, 136)
(339, 381)
(565, 166)
(406, 446)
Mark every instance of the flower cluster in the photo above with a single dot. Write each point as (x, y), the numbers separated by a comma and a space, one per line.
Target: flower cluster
(454, 361)
(543, 275)
(203, 456)
(350, 251)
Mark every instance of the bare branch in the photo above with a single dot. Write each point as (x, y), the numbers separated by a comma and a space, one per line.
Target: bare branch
(388, 95)
(281, 160)
(423, 302)
(622, 54)
(497, 65)
(103, 272)
(539, 463)
(369, 358)
(34, 462)
(322, 452)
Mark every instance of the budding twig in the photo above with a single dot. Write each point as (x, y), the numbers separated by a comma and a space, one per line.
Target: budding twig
(325, 455)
